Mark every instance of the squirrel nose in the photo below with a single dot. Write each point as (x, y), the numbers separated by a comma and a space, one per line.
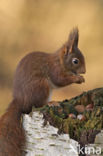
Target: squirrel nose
(83, 71)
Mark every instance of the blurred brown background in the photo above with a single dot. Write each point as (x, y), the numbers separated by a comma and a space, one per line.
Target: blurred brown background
(44, 25)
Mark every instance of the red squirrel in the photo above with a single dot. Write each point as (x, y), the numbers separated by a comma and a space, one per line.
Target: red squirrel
(37, 74)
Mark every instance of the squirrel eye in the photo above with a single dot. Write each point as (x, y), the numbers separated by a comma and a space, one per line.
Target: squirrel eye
(75, 61)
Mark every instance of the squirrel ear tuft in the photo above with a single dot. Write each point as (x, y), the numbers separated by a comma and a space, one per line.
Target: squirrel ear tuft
(73, 39)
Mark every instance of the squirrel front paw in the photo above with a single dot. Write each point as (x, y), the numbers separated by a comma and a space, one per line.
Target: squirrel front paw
(79, 79)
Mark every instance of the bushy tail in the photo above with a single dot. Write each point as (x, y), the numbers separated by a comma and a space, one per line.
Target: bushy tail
(12, 135)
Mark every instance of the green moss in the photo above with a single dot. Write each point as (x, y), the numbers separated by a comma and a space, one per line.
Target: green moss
(58, 115)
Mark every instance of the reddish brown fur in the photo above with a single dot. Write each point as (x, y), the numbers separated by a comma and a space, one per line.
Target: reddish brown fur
(12, 135)
(36, 75)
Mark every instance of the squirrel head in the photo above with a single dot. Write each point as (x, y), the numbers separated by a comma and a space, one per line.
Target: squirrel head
(72, 58)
